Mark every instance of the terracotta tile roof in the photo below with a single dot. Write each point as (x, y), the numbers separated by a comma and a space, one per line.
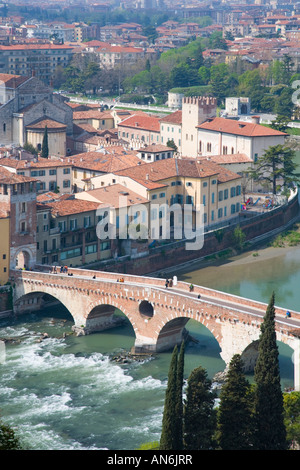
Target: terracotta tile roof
(8, 177)
(115, 195)
(174, 118)
(20, 47)
(91, 114)
(41, 163)
(50, 123)
(145, 122)
(51, 197)
(153, 175)
(230, 126)
(154, 148)
(71, 206)
(230, 158)
(105, 162)
(12, 81)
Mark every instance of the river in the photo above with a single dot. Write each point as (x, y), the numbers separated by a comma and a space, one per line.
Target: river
(66, 393)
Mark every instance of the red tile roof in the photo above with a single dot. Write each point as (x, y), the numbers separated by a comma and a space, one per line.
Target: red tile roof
(230, 126)
(174, 118)
(148, 123)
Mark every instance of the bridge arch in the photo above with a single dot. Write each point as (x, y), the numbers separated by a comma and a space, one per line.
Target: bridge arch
(101, 315)
(37, 300)
(174, 329)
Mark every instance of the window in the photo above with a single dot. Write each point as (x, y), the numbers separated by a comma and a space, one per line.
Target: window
(62, 226)
(214, 182)
(73, 224)
(204, 200)
(205, 184)
(162, 194)
(232, 192)
(232, 209)
(87, 221)
(212, 198)
(66, 183)
(220, 213)
(225, 193)
(105, 246)
(91, 249)
(52, 172)
(220, 195)
(71, 253)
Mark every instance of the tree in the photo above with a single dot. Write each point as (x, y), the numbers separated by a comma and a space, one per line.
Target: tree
(45, 148)
(238, 238)
(168, 437)
(270, 430)
(8, 438)
(172, 144)
(218, 80)
(235, 419)
(179, 402)
(277, 163)
(199, 416)
(291, 404)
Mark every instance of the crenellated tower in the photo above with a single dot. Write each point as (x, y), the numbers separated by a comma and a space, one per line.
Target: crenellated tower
(195, 110)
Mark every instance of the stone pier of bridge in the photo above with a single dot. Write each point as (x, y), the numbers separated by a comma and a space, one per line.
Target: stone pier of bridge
(158, 315)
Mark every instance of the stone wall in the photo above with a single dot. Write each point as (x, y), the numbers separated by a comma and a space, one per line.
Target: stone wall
(175, 254)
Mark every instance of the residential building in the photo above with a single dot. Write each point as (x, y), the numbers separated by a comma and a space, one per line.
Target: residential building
(122, 209)
(171, 129)
(182, 181)
(140, 130)
(66, 232)
(50, 174)
(220, 136)
(154, 152)
(18, 198)
(94, 118)
(40, 60)
(107, 159)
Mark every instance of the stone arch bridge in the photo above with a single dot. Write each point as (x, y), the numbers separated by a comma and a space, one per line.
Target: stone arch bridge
(157, 314)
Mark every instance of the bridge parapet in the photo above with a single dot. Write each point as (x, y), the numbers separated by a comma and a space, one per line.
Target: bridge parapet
(181, 285)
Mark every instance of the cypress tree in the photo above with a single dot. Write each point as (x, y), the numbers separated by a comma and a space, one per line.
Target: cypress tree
(45, 148)
(235, 431)
(269, 411)
(179, 402)
(199, 417)
(168, 438)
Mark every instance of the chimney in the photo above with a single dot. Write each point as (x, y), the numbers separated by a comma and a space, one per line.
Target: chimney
(255, 119)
